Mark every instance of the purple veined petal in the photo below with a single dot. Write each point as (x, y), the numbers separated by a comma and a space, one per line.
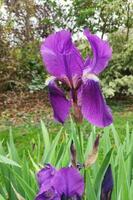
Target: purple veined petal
(89, 64)
(107, 185)
(61, 106)
(69, 182)
(59, 42)
(44, 178)
(45, 175)
(47, 193)
(60, 56)
(102, 53)
(73, 63)
(93, 105)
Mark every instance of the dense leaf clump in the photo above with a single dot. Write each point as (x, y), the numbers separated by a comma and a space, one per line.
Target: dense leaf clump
(17, 173)
(117, 79)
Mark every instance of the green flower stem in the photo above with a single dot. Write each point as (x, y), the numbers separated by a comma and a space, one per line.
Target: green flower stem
(80, 137)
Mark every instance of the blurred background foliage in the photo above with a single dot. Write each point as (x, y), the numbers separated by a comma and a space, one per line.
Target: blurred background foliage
(23, 25)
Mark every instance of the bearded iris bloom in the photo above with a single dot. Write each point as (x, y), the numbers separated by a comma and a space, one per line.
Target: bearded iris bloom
(66, 183)
(64, 62)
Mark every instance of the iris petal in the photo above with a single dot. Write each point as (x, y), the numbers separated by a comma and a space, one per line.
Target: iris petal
(94, 107)
(44, 178)
(45, 175)
(102, 53)
(60, 55)
(69, 182)
(47, 194)
(61, 106)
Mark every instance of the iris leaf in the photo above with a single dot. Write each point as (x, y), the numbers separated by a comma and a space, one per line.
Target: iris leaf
(101, 172)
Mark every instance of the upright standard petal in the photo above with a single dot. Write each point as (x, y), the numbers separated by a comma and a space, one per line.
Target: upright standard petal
(44, 178)
(61, 106)
(107, 185)
(68, 182)
(45, 175)
(102, 53)
(94, 107)
(60, 55)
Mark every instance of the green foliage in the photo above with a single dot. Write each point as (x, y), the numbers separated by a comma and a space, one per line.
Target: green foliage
(37, 82)
(104, 15)
(27, 22)
(18, 173)
(21, 32)
(118, 78)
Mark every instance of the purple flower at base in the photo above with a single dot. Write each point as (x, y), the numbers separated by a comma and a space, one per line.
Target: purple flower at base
(107, 185)
(44, 178)
(63, 61)
(66, 183)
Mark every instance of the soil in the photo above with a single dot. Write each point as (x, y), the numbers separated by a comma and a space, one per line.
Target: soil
(20, 107)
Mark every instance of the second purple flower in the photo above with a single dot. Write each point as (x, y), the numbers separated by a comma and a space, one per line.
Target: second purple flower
(66, 183)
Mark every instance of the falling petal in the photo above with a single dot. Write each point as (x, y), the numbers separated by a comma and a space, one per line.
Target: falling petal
(94, 107)
(47, 193)
(61, 106)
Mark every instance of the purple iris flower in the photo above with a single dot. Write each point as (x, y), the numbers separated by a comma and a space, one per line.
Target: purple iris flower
(63, 184)
(65, 63)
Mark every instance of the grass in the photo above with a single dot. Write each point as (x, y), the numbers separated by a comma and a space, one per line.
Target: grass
(18, 171)
(26, 134)
(29, 153)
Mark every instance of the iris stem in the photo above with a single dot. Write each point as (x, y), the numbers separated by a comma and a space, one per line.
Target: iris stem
(81, 141)
(80, 136)
(84, 195)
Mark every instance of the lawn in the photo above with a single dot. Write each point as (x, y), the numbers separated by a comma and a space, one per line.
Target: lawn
(25, 135)
(18, 166)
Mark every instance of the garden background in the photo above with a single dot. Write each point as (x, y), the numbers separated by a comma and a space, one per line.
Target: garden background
(23, 24)
(23, 93)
